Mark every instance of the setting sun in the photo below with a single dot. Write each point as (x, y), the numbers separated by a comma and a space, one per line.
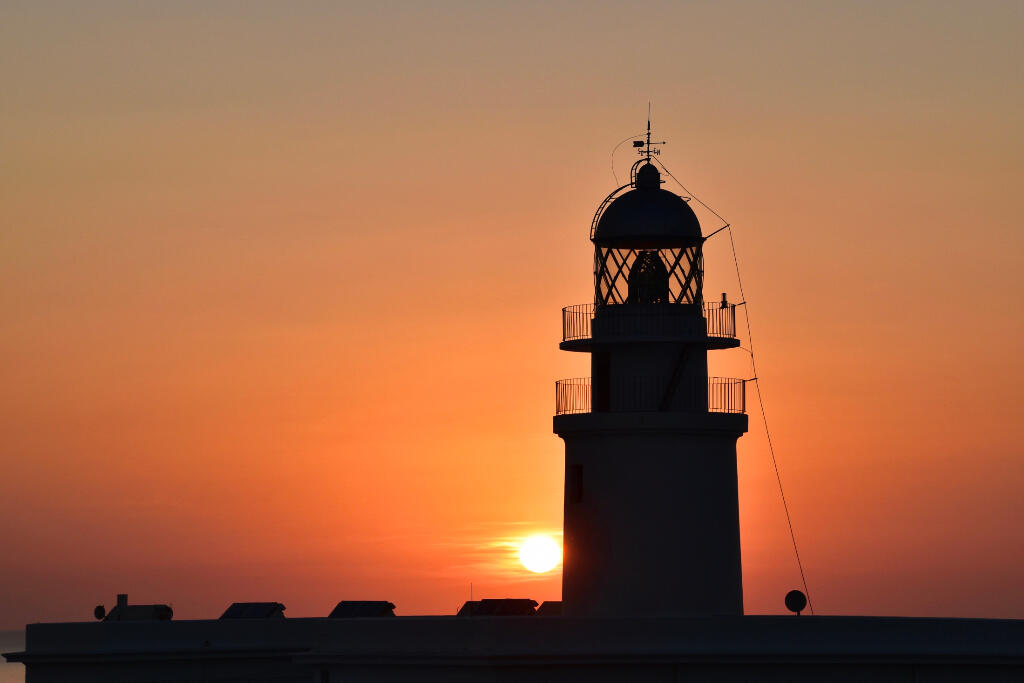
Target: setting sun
(540, 553)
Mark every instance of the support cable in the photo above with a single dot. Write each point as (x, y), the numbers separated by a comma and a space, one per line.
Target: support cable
(764, 420)
(757, 382)
(616, 148)
(695, 197)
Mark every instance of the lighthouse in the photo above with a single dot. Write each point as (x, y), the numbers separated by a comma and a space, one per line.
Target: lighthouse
(651, 519)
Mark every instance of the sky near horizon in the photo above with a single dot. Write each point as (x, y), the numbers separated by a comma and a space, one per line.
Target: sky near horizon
(280, 288)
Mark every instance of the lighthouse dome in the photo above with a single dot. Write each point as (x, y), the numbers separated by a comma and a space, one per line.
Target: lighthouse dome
(648, 216)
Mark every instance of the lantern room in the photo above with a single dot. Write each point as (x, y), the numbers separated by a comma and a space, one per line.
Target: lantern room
(647, 245)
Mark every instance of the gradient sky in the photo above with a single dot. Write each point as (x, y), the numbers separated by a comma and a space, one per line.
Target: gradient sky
(280, 289)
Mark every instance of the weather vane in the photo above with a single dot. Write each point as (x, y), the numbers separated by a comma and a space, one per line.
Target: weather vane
(645, 148)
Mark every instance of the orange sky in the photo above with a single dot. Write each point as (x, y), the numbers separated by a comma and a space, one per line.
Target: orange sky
(280, 291)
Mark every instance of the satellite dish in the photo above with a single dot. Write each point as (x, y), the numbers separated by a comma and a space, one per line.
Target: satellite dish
(796, 601)
(99, 612)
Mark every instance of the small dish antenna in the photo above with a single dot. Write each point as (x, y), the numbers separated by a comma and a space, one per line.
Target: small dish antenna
(99, 612)
(796, 601)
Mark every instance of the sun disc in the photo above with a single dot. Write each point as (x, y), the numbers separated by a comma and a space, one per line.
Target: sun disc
(540, 554)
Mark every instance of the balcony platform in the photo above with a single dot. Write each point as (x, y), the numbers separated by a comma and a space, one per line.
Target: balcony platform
(651, 421)
(586, 328)
(591, 345)
(641, 394)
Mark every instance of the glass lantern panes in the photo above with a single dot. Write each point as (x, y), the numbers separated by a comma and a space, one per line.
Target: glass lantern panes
(632, 275)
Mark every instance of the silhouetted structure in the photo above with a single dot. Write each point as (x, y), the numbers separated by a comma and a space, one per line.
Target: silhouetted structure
(651, 583)
(550, 608)
(254, 610)
(651, 522)
(351, 609)
(124, 612)
(506, 607)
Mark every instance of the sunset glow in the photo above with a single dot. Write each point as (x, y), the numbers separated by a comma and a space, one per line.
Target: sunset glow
(281, 290)
(540, 554)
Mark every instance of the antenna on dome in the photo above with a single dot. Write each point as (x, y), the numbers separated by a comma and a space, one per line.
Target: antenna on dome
(648, 129)
(645, 149)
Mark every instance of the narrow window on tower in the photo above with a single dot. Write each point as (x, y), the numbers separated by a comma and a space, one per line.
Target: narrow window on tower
(574, 484)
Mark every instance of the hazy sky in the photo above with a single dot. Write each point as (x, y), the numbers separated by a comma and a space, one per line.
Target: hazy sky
(280, 289)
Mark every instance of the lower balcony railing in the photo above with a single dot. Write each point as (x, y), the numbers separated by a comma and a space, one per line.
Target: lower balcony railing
(626, 394)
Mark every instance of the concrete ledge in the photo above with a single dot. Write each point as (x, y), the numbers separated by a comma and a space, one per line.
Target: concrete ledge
(456, 637)
(590, 344)
(690, 423)
(529, 650)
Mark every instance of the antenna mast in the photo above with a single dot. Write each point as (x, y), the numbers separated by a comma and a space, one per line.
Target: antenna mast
(648, 131)
(648, 149)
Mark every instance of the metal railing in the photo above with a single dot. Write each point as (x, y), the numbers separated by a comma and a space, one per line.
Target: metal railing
(721, 319)
(577, 321)
(632, 394)
(572, 395)
(727, 395)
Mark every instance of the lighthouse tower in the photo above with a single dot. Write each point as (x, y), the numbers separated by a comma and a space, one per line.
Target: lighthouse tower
(651, 523)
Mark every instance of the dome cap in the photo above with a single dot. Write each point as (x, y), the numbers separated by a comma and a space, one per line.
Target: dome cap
(648, 216)
(648, 177)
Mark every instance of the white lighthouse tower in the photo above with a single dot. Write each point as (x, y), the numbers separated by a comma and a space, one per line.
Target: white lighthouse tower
(651, 522)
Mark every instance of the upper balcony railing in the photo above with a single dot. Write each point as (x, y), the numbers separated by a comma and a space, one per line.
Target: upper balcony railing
(577, 322)
(631, 394)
